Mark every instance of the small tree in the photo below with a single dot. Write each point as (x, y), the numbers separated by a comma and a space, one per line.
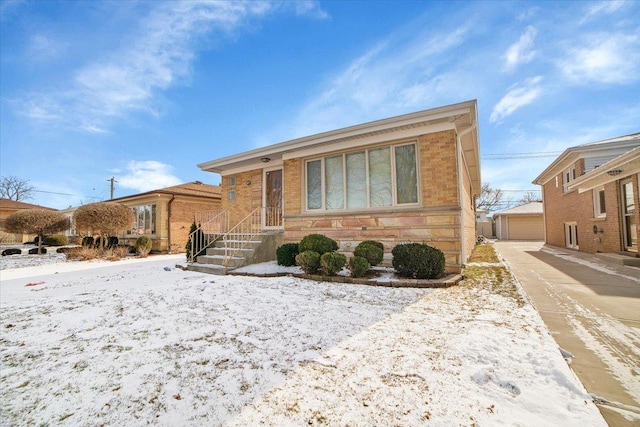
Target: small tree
(104, 219)
(529, 196)
(489, 198)
(36, 221)
(14, 188)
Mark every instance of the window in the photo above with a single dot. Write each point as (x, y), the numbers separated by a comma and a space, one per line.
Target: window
(568, 176)
(379, 177)
(144, 222)
(599, 206)
(231, 194)
(231, 181)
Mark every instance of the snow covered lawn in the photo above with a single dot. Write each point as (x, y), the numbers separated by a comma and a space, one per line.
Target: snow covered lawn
(139, 342)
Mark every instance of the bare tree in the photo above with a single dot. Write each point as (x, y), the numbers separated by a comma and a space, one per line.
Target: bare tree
(14, 188)
(36, 221)
(530, 196)
(104, 219)
(489, 197)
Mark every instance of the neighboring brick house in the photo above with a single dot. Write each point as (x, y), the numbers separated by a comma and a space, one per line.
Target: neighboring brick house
(413, 177)
(590, 196)
(166, 215)
(8, 207)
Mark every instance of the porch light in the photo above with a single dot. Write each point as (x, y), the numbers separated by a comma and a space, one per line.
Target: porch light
(614, 172)
(265, 160)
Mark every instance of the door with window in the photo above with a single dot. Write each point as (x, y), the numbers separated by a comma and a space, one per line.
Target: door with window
(571, 235)
(629, 219)
(273, 199)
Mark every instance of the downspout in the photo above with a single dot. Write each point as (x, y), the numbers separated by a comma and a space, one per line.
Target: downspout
(173, 196)
(463, 242)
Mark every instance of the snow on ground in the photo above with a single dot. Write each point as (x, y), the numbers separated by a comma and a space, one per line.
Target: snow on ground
(141, 343)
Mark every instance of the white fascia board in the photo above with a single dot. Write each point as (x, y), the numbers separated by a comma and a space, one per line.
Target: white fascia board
(450, 111)
(328, 147)
(273, 164)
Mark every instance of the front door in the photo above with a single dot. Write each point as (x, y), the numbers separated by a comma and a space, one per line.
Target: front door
(273, 199)
(571, 235)
(629, 219)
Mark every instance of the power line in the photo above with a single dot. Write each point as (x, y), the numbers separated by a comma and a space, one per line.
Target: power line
(527, 155)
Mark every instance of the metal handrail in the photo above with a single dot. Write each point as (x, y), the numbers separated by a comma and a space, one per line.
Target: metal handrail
(241, 234)
(207, 233)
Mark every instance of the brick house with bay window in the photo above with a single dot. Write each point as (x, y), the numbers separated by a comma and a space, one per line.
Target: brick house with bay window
(412, 177)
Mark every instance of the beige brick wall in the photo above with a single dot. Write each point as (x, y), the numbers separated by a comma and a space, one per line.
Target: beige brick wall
(248, 194)
(469, 215)
(561, 208)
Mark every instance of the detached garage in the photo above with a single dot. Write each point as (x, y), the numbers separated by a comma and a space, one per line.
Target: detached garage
(523, 222)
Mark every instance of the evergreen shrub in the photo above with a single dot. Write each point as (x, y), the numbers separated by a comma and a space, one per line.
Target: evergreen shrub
(143, 245)
(309, 261)
(317, 243)
(55, 240)
(332, 263)
(418, 261)
(286, 254)
(372, 251)
(358, 266)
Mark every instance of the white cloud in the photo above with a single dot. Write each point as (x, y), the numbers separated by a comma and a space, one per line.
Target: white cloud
(518, 96)
(397, 75)
(521, 52)
(612, 58)
(606, 7)
(310, 8)
(158, 55)
(147, 175)
(42, 47)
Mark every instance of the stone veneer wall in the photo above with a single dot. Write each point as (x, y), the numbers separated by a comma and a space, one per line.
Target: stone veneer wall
(437, 222)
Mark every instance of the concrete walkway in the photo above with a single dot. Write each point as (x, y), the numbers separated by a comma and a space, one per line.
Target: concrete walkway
(592, 309)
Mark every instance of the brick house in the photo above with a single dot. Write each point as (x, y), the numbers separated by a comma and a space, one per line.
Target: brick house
(590, 197)
(407, 178)
(166, 215)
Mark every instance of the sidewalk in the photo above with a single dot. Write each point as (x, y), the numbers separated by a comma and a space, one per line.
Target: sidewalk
(592, 309)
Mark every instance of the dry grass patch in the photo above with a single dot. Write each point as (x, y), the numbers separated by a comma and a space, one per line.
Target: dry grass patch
(496, 279)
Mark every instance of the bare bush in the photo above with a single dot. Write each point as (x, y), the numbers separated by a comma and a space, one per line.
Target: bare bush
(36, 221)
(103, 219)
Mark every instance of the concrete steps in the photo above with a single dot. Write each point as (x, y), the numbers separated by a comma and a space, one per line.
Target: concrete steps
(262, 248)
(620, 259)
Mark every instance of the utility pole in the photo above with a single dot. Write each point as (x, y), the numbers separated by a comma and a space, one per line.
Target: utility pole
(113, 181)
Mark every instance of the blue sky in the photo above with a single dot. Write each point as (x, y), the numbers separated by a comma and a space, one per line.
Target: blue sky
(143, 91)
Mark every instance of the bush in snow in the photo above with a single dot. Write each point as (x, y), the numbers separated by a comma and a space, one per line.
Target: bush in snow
(371, 250)
(358, 266)
(143, 246)
(332, 263)
(317, 243)
(418, 261)
(309, 261)
(286, 254)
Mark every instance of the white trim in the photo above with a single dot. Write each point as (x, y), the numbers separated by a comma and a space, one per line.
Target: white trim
(463, 237)
(597, 206)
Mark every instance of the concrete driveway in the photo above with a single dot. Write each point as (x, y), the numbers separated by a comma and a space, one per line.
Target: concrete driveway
(592, 309)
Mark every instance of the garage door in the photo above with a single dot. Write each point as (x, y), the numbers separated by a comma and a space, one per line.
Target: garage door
(526, 228)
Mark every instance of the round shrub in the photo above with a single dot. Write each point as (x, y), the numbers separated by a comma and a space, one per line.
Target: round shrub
(55, 240)
(309, 261)
(317, 243)
(370, 251)
(286, 254)
(143, 245)
(332, 263)
(372, 242)
(418, 261)
(358, 266)
(34, 251)
(11, 251)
